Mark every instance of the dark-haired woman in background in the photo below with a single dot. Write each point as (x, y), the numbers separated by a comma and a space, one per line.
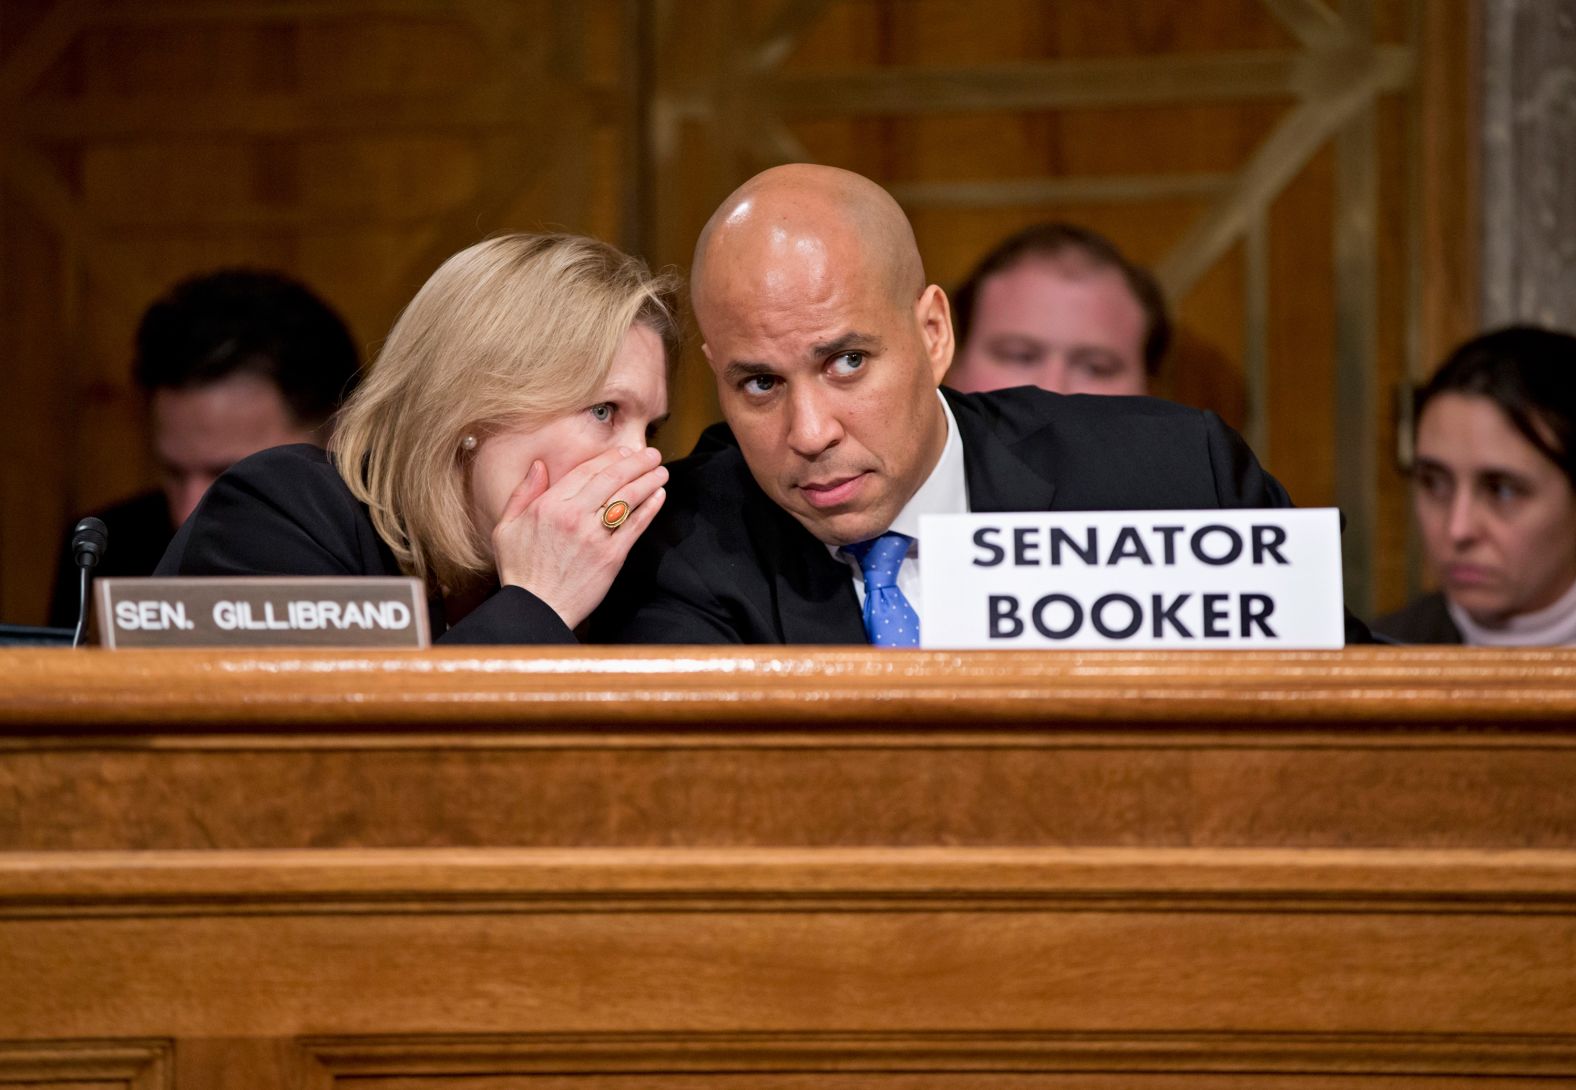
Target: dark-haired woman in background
(1495, 495)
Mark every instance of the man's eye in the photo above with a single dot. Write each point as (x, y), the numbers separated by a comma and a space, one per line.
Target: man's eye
(602, 412)
(760, 384)
(846, 363)
(1098, 364)
(1015, 351)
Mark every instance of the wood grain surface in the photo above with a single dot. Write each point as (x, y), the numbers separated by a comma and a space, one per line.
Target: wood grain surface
(538, 688)
(801, 869)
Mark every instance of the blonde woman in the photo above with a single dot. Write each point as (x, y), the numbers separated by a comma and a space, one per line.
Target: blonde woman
(497, 450)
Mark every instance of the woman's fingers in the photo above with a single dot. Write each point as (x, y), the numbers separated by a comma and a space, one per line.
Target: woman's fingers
(636, 492)
(587, 489)
(588, 481)
(526, 492)
(636, 525)
(552, 540)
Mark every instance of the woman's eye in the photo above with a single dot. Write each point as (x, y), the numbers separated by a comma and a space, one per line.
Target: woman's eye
(1505, 491)
(602, 412)
(848, 362)
(1431, 483)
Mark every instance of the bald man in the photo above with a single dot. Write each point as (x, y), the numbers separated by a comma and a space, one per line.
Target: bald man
(796, 521)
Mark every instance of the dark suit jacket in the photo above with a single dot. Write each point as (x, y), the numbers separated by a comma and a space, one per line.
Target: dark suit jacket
(724, 564)
(1422, 620)
(287, 511)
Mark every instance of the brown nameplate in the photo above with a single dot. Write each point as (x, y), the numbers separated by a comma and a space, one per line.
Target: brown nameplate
(259, 611)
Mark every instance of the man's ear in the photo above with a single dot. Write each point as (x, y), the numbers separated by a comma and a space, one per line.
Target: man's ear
(933, 316)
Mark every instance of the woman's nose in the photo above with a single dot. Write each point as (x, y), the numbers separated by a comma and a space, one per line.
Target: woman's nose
(1464, 521)
(633, 435)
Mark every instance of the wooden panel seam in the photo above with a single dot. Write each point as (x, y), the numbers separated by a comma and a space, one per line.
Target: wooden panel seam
(143, 1064)
(1302, 1053)
(495, 880)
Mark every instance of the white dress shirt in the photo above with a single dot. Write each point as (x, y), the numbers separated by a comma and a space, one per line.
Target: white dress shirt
(945, 492)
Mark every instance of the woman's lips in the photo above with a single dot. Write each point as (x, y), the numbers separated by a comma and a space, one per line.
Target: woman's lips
(831, 493)
(1468, 575)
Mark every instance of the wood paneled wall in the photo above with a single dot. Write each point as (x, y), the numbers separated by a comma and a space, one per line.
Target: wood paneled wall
(1278, 162)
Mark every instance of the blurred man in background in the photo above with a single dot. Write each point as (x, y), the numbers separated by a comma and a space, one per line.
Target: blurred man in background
(1058, 307)
(230, 363)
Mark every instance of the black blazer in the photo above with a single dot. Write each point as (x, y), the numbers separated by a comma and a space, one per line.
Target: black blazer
(1422, 620)
(724, 564)
(287, 511)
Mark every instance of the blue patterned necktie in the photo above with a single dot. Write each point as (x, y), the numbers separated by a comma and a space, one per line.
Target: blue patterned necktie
(889, 619)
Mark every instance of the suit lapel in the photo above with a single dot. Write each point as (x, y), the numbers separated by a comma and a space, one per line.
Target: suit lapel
(816, 601)
(812, 593)
(998, 479)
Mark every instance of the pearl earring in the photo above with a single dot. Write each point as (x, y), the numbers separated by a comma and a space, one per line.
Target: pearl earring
(468, 443)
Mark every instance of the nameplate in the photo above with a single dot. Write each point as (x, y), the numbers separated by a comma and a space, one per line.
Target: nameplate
(1133, 579)
(259, 611)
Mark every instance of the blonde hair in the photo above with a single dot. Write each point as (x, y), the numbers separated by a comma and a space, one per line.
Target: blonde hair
(520, 328)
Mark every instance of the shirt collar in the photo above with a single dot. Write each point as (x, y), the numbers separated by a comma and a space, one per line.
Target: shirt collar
(945, 491)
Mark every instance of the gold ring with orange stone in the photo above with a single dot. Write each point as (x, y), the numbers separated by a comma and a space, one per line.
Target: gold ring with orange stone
(613, 513)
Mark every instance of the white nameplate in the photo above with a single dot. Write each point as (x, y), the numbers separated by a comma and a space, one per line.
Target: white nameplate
(258, 611)
(1133, 579)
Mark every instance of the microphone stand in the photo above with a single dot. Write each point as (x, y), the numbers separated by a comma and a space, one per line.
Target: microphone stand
(89, 539)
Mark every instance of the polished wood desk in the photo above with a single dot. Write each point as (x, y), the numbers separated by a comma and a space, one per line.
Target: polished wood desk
(691, 868)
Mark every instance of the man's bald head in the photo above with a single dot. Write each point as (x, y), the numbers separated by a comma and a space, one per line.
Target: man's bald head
(805, 219)
(827, 346)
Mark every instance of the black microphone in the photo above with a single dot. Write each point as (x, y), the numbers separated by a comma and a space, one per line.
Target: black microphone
(89, 539)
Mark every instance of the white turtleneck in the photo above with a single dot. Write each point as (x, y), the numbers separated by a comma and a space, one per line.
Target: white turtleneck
(1551, 626)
